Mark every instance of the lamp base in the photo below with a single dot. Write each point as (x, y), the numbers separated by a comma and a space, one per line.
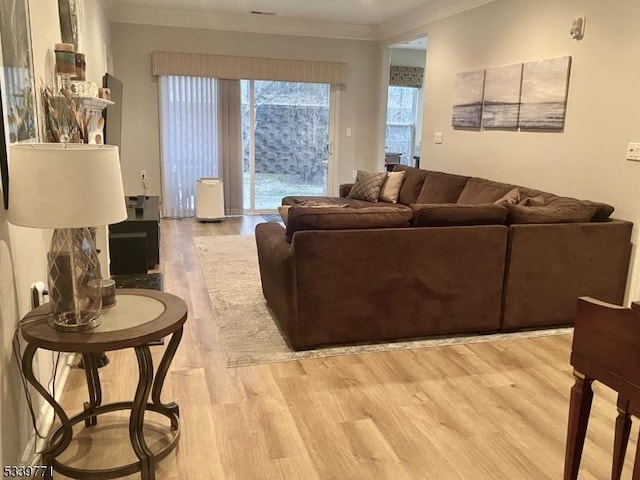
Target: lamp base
(75, 286)
(63, 324)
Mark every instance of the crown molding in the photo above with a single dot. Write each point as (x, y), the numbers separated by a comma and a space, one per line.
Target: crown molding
(414, 22)
(177, 17)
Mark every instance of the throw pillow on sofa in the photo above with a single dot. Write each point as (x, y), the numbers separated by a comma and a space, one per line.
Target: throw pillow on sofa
(440, 187)
(367, 186)
(453, 214)
(537, 201)
(411, 185)
(391, 187)
(302, 218)
(480, 190)
(512, 197)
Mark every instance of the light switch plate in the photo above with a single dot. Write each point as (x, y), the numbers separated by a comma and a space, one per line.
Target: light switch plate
(437, 137)
(633, 152)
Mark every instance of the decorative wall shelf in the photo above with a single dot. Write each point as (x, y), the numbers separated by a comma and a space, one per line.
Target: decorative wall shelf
(90, 110)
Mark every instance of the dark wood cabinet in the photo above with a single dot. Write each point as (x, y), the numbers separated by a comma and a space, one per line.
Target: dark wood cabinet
(126, 247)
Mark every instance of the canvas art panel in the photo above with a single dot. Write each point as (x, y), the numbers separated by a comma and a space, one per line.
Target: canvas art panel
(467, 99)
(501, 104)
(544, 94)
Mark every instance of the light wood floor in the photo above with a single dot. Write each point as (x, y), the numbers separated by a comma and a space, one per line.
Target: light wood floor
(473, 412)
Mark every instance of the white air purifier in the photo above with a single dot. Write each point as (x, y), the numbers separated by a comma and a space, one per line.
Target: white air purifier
(209, 200)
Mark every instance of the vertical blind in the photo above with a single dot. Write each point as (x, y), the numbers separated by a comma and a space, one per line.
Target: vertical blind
(189, 146)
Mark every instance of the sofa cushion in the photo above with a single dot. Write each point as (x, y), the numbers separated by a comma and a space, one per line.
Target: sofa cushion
(601, 213)
(283, 210)
(305, 218)
(411, 185)
(449, 214)
(367, 186)
(512, 197)
(344, 189)
(300, 200)
(480, 190)
(440, 187)
(568, 213)
(536, 201)
(391, 187)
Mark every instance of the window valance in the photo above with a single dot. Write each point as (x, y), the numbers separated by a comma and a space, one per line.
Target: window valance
(248, 68)
(406, 76)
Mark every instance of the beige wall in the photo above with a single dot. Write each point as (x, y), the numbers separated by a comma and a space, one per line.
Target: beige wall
(406, 57)
(23, 250)
(132, 47)
(587, 160)
(96, 40)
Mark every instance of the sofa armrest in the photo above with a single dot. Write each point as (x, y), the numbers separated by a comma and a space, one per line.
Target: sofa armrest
(277, 274)
(345, 188)
(551, 265)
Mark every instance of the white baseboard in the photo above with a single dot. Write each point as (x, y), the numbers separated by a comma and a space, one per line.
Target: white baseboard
(46, 416)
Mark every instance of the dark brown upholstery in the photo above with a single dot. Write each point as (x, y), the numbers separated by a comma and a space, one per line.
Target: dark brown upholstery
(345, 188)
(330, 218)
(550, 266)
(360, 274)
(380, 284)
(480, 190)
(569, 213)
(350, 202)
(447, 214)
(441, 187)
(411, 185)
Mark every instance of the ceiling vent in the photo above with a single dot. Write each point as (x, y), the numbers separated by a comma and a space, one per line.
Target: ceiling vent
(256, 12)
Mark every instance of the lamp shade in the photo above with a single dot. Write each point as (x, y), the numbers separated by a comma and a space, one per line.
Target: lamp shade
(55, 185)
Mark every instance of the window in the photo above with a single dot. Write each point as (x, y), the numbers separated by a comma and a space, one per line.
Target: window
(402, 108)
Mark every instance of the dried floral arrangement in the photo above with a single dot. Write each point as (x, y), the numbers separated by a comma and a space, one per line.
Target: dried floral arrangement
(65, 122)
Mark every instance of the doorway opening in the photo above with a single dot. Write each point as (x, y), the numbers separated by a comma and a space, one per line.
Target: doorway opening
(404, 103)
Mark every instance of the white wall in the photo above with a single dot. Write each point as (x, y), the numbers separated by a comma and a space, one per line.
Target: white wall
(587, 160)
(23, 251)
(132, 47)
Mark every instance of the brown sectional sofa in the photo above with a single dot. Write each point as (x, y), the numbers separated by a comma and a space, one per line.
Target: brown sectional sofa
(445, 259)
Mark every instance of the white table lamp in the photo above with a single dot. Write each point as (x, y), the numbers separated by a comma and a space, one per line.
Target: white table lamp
(68, 187)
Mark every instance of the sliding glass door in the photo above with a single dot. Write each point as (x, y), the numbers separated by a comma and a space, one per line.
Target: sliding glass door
(285, 139)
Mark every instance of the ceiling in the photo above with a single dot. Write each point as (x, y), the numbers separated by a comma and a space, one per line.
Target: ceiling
(363, 12)
(348, 19)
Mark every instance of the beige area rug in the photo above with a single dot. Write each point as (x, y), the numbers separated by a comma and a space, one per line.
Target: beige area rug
(248, 332)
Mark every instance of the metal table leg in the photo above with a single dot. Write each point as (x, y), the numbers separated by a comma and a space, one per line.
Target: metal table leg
(136, 422)
(90, 364)
(55, 448)
(158, 382)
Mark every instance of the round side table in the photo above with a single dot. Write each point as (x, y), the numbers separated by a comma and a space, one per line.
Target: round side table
(139, 317)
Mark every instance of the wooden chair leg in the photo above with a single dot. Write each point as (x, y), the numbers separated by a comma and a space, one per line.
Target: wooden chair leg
(579, 409)
(621, 439)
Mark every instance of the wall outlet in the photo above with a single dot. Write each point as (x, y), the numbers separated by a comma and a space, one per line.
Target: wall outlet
(143, 174)
(355, 174)
(437, 137)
